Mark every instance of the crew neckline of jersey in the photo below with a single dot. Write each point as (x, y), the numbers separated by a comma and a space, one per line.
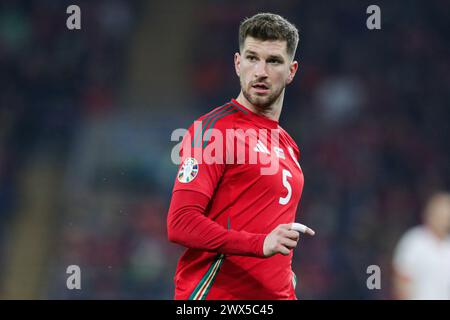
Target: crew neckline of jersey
(273, 124)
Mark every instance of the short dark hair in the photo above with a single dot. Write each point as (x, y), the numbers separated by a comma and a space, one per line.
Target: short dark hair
(269, 26)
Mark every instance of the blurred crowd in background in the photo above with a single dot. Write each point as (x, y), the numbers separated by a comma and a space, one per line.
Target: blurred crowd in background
(85, 162)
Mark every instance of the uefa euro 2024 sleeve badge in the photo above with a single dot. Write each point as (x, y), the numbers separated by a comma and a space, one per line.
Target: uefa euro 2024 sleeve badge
(188, 170)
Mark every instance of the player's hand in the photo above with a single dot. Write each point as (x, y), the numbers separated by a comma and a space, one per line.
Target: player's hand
(284, 238)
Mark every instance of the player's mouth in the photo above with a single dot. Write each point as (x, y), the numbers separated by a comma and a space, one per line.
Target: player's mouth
(260, 88)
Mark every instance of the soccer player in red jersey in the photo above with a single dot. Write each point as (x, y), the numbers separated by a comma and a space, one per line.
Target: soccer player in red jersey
(239, 183)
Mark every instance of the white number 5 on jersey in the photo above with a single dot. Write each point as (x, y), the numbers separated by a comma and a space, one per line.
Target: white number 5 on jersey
(287, 185)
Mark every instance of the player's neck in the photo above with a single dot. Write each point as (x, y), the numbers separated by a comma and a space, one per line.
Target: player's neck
(273, 113)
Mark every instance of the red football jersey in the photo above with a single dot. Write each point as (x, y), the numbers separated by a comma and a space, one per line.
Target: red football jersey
(244, 168)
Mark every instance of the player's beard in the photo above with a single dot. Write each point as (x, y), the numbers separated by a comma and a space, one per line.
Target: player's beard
(263, 102)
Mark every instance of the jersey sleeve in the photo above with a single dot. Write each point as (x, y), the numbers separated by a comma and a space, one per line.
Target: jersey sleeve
(199, 170)
(203, 158)
(187, 225)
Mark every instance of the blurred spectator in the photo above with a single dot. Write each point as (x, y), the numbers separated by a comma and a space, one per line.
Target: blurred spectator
(422, 257)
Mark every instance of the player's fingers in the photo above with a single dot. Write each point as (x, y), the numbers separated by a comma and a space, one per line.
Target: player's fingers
(291, 244)
(310, 231)
(302, 228)
(292, 234)
(283, 250)
(285, 226)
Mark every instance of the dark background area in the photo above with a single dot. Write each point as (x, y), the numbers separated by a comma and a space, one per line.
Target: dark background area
(86, 118)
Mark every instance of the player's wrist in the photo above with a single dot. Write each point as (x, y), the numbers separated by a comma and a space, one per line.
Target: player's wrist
(260, 246)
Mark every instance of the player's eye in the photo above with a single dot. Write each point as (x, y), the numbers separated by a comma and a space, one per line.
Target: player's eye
(274, 61)
(251, 58)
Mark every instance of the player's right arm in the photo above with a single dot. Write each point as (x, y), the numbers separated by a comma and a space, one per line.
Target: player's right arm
(196, 182)
(188, 226)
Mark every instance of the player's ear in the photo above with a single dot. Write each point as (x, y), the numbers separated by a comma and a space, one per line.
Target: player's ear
(292, 71)
(237, 63)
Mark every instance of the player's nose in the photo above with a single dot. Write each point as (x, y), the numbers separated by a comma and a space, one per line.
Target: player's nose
(261, 69)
